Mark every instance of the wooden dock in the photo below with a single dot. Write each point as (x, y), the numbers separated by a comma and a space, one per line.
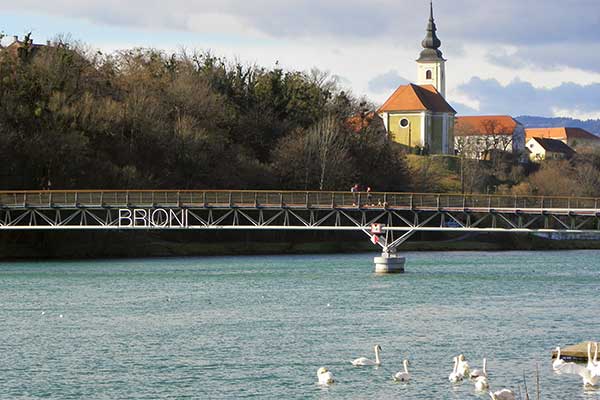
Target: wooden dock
(576, 352)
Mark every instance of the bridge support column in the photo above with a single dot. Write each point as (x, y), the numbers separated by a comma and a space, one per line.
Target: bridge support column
(389, 263)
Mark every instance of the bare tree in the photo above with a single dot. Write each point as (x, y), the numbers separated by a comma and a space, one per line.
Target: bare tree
(479, 142)
(497, 137)
(588, 178)
(465, 140)
(323, 80)
(326, 141)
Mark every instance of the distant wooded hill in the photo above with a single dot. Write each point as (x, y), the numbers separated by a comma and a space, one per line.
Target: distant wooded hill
(591, 125)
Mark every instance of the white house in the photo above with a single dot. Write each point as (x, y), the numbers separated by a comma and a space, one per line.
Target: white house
(548, 149)
(478, 136)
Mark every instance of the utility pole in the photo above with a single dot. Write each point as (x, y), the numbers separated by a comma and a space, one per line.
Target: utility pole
(462, 174)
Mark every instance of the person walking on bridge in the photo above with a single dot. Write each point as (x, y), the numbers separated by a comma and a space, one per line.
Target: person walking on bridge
(354, 191)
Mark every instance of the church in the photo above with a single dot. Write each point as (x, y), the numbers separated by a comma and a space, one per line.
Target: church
(418, 115)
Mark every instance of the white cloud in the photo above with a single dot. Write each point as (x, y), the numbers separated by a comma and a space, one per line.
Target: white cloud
(386, 82)
(522, 98)
(362, 41)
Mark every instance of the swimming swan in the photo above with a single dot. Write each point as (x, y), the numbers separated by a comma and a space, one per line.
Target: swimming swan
(589, 378)
(590, 363)
(325, 376)
(503, 394)
(365, 361)
(463, 366)
(476, 373)
(481, 384)
(558, 362)
(596, 365)
(403, 376)
(455, 376)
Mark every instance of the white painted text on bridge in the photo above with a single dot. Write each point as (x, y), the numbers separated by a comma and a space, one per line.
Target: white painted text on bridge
(153, 218)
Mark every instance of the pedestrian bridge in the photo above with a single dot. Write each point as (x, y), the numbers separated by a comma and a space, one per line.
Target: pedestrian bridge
(387, 218)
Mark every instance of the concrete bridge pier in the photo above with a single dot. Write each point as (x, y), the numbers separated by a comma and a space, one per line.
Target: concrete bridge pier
(389, 263)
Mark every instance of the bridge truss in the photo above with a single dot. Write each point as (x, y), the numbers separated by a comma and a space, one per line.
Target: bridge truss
(396, 215)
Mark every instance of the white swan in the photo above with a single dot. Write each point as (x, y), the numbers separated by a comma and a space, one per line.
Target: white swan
(558, 362)
(455, 376)
(476, 373)
(463, 366)
(590, 363)
(365, 361)
(503, 394)
(595, 367)
(595, 364)
(481, 384)
(589, 378)
(403, 376)
(325, 376)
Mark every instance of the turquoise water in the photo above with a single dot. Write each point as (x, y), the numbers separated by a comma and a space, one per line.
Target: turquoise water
(241, 327)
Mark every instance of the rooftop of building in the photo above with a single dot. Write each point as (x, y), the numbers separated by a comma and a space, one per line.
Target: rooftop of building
(431, 44)
(481, 125)
(26, 43)
(562, 133)
(553, 145)
(413, 97)
(363, 120)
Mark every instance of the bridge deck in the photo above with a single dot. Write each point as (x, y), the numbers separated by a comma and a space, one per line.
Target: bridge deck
(306, 210)
(295, 199)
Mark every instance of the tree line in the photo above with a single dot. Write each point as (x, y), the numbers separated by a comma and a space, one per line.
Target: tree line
(141, 118)
(507, 174)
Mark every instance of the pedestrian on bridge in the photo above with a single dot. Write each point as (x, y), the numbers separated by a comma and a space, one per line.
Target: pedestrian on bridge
(354, 190)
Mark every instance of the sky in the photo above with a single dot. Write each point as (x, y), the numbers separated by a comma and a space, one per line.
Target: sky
(516, 57)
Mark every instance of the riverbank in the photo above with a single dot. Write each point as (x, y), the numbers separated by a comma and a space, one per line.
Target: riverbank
(65, 245)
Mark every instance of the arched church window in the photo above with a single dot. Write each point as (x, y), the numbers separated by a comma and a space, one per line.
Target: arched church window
(428, 74)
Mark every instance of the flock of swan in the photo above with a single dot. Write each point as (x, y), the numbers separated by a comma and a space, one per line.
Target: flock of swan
(590, 373)
(479, 377)
(460, 371)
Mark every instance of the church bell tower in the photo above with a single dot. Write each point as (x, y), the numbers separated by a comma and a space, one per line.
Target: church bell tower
(431, 66)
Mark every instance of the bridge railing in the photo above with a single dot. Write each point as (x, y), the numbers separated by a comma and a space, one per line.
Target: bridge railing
(320, 199)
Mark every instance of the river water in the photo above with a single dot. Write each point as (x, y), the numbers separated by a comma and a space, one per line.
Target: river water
(241, 327)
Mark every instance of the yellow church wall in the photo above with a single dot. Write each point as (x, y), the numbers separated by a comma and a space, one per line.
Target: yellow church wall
(451, 122)
(401, 135)
(435, 147)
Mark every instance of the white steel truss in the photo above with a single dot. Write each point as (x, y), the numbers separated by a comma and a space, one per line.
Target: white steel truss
(400, 214)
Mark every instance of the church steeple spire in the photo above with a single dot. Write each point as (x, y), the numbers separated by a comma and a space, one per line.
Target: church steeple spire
(431, 43)
(431, 67)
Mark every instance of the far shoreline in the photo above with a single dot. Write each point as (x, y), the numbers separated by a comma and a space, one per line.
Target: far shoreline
(120, 245)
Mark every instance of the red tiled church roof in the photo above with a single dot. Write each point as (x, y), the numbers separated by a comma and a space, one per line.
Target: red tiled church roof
(416, 98)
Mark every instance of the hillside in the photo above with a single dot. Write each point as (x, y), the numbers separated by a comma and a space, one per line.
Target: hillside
(142, 118)
(591, 125)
